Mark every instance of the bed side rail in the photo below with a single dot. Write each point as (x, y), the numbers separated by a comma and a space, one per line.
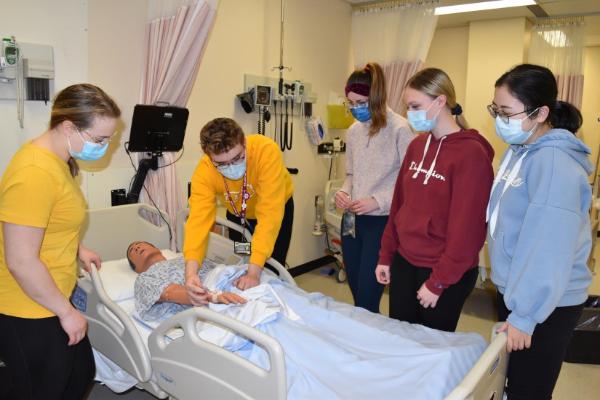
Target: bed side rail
(486, 380)
(215, 241)
(216, 372)
(110, 329)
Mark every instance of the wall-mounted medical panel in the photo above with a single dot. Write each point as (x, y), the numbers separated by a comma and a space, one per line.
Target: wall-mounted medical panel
(32, 74)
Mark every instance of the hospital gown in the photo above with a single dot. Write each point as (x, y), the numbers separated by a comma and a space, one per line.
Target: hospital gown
(150, 285)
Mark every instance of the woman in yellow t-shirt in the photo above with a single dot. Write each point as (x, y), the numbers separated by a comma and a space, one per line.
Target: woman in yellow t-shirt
(44, 351)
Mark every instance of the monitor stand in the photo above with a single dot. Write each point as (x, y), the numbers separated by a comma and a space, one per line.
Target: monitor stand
(138, 183)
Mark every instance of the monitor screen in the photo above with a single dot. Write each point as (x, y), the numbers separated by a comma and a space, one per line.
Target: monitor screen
(157, 128)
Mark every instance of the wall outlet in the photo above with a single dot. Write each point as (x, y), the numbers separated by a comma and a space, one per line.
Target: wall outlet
(118, 197)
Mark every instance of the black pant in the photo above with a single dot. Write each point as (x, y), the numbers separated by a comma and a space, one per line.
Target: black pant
(282, 244)
(406, 280)
(532, 373)
(360, 259)
(38, 363)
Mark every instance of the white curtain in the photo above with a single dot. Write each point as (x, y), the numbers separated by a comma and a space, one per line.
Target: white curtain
(559, 44)
(176, 36)
(396, 35)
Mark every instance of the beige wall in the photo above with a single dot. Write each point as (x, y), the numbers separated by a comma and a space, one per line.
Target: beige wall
(101, 41)
(245, 40)
(494, 47)
(61, 24)
(448, 51)
(590, 107)
(477, 55)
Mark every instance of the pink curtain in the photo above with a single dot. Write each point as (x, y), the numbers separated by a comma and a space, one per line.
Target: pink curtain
(559, 44)
(174, 48)
(570, 89)
(396, 76)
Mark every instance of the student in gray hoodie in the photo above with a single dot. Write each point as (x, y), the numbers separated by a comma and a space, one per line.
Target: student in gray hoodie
(538, 227)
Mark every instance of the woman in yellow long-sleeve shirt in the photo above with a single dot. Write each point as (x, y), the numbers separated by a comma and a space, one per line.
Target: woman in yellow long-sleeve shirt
(248, 175)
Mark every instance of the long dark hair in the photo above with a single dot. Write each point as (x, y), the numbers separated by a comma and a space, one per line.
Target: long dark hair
(535, 86)
(372, 76)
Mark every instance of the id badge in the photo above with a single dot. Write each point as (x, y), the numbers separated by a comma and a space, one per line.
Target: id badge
(241, 248)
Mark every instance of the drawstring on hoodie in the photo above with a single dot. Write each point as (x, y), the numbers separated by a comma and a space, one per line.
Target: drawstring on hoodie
(432, 166)
(492, 215)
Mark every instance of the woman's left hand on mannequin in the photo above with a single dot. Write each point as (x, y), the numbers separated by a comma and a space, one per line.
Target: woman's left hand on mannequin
(517, 339)
(426, 297)
(363, 206)
(87, 257)
(250, 279)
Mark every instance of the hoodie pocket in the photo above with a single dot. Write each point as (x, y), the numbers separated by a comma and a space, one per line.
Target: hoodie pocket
(503, 247)
(414, 229)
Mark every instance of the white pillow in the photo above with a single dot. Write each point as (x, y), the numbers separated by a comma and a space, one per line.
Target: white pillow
(118, 278)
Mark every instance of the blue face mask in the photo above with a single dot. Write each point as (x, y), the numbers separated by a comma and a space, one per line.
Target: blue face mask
(90, 151)
(419, 122)
(361, 113)
(512, 132)
(233, 171)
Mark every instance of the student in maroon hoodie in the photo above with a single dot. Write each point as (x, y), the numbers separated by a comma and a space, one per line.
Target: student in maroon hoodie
(430, 246)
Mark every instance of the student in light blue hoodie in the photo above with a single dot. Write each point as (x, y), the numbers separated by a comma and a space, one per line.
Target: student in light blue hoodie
(538, 227)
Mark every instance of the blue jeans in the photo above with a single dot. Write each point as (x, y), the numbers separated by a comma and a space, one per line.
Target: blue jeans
(360, 259)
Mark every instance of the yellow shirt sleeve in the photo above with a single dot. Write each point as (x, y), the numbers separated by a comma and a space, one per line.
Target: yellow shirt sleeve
(203, 212)
(270, 204)
(28, 197)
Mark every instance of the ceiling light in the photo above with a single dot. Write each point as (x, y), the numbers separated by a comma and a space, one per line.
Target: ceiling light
(483, 5)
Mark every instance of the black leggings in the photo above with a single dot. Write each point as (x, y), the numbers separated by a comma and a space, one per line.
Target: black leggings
(532, 373)
(282, 244)
(37, 363)
(406, 279)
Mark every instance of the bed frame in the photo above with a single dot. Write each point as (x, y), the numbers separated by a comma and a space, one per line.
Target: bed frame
(166, 367)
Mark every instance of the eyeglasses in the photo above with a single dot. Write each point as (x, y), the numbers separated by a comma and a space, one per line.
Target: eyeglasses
(359, 104)
(494, 112)
(98, 139)
(235, 160)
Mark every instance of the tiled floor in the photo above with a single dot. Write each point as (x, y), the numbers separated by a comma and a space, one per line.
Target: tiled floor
(576, 381)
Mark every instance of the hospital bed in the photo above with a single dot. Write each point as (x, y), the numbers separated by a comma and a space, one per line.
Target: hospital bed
(184, 367)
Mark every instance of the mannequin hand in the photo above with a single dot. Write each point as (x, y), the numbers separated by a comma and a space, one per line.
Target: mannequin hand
(426, 298)
(364, 206)
(517, 339)
(382, 273)
(230, 298)
(250, 279)
(342, 199)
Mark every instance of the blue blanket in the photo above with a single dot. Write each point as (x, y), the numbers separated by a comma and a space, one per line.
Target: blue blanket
(337, 351)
